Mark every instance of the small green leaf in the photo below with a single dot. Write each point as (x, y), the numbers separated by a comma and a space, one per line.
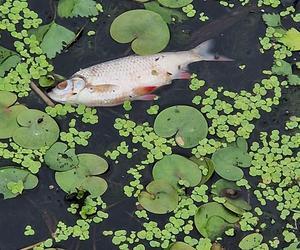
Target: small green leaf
(272, 20)
(8, 59)
(180, 246)
(53, 38)
(75, 8)
(282, 68)
(291, 39)
(251, 241)
(175, 3)
(208, 164)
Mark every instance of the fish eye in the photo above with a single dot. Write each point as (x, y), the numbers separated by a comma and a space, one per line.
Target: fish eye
(62, 85)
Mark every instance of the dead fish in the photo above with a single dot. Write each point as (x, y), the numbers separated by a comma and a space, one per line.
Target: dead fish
(129, 78)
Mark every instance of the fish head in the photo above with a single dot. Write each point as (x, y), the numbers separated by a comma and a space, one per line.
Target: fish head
(67, 91)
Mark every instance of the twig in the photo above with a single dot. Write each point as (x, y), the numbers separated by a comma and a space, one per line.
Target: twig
(32, 246)
(41, 94)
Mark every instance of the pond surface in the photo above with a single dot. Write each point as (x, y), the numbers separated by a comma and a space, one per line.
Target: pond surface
(236, 32)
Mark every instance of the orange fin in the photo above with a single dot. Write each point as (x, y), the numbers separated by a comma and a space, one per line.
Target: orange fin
(140, 91)
(102, 88)
(149, 97)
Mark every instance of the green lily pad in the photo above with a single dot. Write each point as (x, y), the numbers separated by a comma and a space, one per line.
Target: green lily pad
(180, 246)
(228, 162)
(173, 168)
(186, 123)
(10, 175)
(8, 114)
(222, 218)
(83, 176)
(37, 129)
(146, 29)
(251, 241)
(175, 3)
(159, 198)
(60, 158)
(231, 192)
(208, 164)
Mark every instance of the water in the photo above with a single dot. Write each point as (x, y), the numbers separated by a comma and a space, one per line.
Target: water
(43, 207)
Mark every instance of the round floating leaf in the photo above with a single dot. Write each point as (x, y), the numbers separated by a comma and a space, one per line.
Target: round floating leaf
(215, 227)
(180, 246)
(60, 158)
(173, 168)
(8, 114)
(242, 144)
(206, 163)
(146, 29)
(37, 129)
(213, 209)
(159, 198)
(251, 241)
(12, 174)
(175, 3)
(82, 177)
(186, 122)
(228, 160)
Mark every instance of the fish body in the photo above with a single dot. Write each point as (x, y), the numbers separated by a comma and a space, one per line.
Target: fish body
(129, 78)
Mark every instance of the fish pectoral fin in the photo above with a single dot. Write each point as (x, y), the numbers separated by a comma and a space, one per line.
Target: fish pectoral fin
(149, 97)
(102, 88)
(140, 91)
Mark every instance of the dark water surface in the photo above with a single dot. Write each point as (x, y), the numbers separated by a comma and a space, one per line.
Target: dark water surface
(236, 36)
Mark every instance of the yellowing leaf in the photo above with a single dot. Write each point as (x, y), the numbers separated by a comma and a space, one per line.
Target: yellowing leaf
(291, 39)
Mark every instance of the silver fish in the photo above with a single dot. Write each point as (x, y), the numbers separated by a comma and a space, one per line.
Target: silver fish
(129, 78)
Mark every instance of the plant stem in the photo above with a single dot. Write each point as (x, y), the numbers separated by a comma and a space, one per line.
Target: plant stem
(41, 94)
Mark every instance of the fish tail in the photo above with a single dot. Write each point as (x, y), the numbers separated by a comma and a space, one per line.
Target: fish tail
(203, 52)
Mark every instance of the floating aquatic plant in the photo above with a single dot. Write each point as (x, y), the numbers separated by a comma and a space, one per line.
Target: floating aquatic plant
(75, 8)
(146, 30)
(251, 241)
(175, 3)
(212, 219)
(37, 129)
(206, 165)
(8, 114)
(229, 160)
(175, 168)
(53, 37)
(14, 180)
(159, 197)
(186, 123)
(180, 246)
(84, 176)
(8, 59)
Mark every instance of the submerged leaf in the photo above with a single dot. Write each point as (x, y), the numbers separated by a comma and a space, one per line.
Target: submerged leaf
(175, 3)
(37, 129)
(282, 68)
(8, 59)
(173, 168)
(159, 198)
(9, 114)
(12, 175)
(53, 37)
(291, 39)
(74, 8)
(186, 123)
(146, 30)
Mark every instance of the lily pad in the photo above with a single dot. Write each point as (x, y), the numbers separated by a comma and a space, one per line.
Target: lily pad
(231, 192)
(173, 168)
(159, 198)
(180, 246)
(146, 29)
(208, 164)
(222, 218)
(60, 158)
(175, 3)
(251, 241)
(37, 129)
(186, 123)
(8, 114)
(10, 175)
(83, 176)
(228, 162)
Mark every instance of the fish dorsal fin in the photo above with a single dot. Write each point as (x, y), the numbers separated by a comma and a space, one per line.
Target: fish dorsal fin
(102, 88)
(140, 91)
